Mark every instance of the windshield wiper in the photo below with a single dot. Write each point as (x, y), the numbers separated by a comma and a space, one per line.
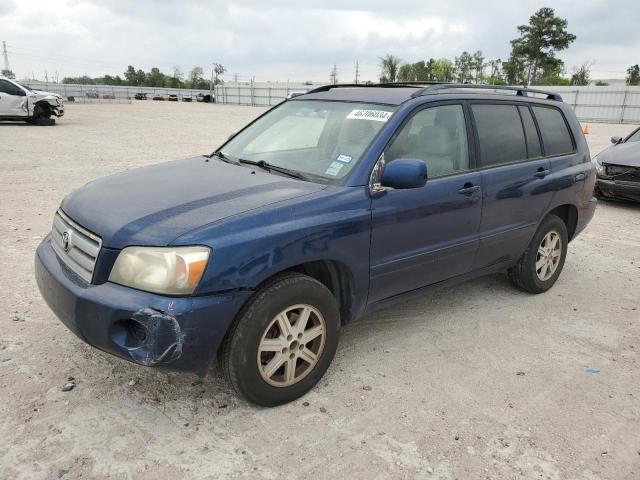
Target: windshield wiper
(224, 158)
(269, 167)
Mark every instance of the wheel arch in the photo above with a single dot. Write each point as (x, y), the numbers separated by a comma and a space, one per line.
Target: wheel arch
(568, 213)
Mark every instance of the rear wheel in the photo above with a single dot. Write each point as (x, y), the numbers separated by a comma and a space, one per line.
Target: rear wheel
(540, 265)
(283, 340)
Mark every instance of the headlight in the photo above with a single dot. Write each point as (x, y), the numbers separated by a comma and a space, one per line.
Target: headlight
(170, 270)
(599, 167)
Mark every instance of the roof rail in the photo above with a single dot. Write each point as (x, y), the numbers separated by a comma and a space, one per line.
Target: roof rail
(520, 91)
(418, 84)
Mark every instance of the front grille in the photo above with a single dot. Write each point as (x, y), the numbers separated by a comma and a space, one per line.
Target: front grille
(75, 246)
(622, 173)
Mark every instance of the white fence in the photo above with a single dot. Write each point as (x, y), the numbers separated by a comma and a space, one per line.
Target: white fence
(591, 104)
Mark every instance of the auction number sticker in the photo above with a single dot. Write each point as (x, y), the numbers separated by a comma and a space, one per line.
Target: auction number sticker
(377, 115)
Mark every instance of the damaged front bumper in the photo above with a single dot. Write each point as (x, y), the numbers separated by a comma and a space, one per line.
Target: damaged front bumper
(178, 333)
(622, 190)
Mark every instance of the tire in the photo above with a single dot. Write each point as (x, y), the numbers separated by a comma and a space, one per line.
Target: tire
(524, 274)
(41, 116)
(256, 344)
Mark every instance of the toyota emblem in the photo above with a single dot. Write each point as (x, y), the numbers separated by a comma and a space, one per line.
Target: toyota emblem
(66, 240)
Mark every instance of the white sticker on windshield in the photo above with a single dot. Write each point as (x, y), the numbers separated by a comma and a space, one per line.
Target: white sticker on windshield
(334, 169)
(377, 115)
(344, 158)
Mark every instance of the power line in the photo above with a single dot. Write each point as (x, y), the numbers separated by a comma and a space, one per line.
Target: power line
(334, 75)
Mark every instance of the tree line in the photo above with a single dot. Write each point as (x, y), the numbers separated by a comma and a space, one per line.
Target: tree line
(155, 78)
(532, 61)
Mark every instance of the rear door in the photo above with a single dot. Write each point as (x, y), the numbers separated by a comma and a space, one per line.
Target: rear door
(517, 185)
(421, 236)
(13, 100)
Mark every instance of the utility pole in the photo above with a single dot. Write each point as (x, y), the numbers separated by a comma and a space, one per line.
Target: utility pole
(46, 76)
(357, 72)
(334, 74)
(235, 78)
(6, 55)
(211, 84)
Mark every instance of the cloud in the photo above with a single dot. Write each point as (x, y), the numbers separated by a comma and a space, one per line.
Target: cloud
(283, 39)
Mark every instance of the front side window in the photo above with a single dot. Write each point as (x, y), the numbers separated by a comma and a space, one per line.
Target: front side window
(500, 134)
(437, 135)
(555, 135)
(317, 138)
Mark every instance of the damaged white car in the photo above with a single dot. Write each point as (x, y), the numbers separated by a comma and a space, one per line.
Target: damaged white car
(19, 102)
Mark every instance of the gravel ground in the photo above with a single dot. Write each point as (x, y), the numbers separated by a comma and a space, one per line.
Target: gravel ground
(474, 381)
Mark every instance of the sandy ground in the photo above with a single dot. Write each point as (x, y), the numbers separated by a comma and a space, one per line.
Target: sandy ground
(475, 381)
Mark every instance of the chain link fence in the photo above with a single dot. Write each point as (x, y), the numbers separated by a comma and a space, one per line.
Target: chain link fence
(591, 104)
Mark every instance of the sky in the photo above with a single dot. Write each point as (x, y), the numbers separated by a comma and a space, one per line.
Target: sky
(280, 40)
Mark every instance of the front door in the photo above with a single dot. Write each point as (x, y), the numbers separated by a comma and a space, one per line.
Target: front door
(425, 235)
(13, 100)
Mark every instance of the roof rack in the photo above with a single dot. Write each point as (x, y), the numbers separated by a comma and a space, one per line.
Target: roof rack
(520, 91)
(325, 88)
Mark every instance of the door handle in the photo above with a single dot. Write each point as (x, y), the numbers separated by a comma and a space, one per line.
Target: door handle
(469, 189)
(580, 177)
(541, 173)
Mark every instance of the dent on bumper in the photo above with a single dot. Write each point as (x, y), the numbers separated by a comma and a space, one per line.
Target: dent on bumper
(179, 333)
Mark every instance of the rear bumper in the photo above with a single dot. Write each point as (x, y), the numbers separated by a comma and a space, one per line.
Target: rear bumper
(177, 333)
(620, 190)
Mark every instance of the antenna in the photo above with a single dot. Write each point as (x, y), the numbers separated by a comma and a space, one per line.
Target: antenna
(6, 55)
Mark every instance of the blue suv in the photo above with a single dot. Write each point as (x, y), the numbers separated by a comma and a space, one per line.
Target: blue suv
(324, 208)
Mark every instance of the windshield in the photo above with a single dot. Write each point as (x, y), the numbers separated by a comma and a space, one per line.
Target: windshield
(24, 86)
(312, 137)
(635, 137)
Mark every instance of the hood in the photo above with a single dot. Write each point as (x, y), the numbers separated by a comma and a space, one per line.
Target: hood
(154, 205)
(627, 154)
(42, 94)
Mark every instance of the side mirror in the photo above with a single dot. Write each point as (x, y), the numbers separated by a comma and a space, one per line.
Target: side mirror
(404, 173)
(616, 140)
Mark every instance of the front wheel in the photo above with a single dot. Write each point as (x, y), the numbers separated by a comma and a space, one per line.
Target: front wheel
(540, 265)
(283, 340)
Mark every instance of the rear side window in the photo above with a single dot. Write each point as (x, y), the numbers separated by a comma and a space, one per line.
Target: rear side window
(555, 134)
(533, 141)
(500, 134)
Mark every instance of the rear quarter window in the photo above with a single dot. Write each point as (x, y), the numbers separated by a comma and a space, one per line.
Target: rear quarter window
(500, 134)
(553, 129)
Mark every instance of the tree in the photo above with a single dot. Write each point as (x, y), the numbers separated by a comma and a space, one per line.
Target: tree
(155, 78)
(406, 73)
(478, 65)
(8, 73)
(443, 70)
(218, 70)
(464, 66)
(582, 75)
(195, 79)
(633, 75)
(538, 43)
(515, 70)
(389, 66)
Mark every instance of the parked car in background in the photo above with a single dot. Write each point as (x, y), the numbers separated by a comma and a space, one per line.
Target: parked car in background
(140, 96)
(19, 102)
(618, 168)
(93, 94)
(159, 98)
(326, 207)
(173, 97)
(205, 98)
(109, 96)
(186, 98)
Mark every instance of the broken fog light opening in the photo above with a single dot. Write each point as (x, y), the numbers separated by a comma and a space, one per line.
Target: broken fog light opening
(129, 333)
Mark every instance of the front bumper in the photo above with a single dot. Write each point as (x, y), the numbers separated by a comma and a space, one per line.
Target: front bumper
(177, 333)
(619, 190)
(58, 110)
